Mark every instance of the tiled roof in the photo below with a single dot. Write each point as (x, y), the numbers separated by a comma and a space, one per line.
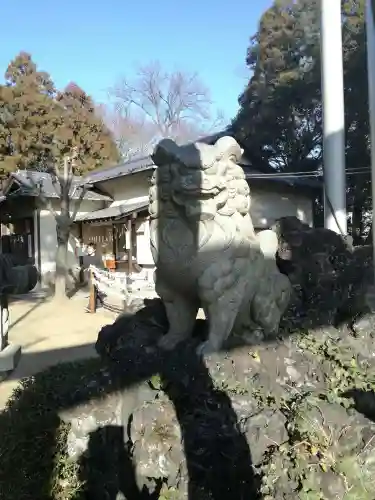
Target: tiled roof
(146, 163)
(29, 179)
(113, 213)
(127, 168)
(140, 164)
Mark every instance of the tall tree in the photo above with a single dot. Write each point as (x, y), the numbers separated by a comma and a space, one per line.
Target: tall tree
(356, 116)
(57, 132)
(62, 179)
(82, 129)
(280, 110)
(27, 131)
(84, 143)
(158, 104)
(280, 117)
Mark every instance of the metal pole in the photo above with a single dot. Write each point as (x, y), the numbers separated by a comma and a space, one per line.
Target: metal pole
(333, 116)
(370, 33)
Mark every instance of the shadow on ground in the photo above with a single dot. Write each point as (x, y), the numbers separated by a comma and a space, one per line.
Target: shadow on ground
(217, 455)
(34, 444)
(37, 302)
(33, 362)
(219, 462)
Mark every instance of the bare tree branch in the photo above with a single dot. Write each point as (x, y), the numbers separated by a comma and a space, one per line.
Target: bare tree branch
(158, 104)
(133, 134)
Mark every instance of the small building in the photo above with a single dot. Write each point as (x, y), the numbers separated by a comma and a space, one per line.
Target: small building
(28, 228)
(122, 231)
(114, 215)
(125, 225)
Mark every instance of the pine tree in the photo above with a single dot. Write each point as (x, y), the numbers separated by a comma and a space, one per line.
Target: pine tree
(83, 130)
(280, 117)
(57, 132)
(280, 110)
(29, 124)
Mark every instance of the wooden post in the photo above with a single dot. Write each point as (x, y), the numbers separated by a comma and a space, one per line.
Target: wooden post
(114, 241)
(134, 234)
(80, 259)
(130, 249)
(93, 295)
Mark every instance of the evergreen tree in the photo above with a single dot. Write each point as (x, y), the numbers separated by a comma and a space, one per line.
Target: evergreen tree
(280, 117)
(82, 129)
(28, 129)
(57, 132)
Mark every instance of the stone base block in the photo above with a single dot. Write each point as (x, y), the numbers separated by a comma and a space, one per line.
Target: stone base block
(9, 357)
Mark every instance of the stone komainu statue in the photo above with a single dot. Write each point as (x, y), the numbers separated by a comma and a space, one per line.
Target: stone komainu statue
(205, 248)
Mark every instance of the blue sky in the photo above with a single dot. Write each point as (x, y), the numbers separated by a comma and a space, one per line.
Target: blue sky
(95, 43)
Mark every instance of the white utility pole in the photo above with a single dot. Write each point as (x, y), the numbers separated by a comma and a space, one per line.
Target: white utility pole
(370, 33)
(333, 117)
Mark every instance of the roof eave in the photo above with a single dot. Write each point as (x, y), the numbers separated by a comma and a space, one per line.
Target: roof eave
(149, 165)
(93, 217)
(25, 191)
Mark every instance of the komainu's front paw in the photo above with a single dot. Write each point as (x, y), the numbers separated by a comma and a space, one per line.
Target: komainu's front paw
(169, 341)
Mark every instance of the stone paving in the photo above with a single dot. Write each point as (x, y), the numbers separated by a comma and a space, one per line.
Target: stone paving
(50, 334)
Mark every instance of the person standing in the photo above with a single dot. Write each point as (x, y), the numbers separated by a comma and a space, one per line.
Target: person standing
(79, 254)
(93, 259)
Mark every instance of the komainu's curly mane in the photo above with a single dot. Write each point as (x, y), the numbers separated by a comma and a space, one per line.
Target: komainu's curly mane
(204, 181)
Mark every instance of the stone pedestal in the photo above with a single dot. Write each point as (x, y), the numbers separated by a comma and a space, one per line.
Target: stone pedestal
(9, 357)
